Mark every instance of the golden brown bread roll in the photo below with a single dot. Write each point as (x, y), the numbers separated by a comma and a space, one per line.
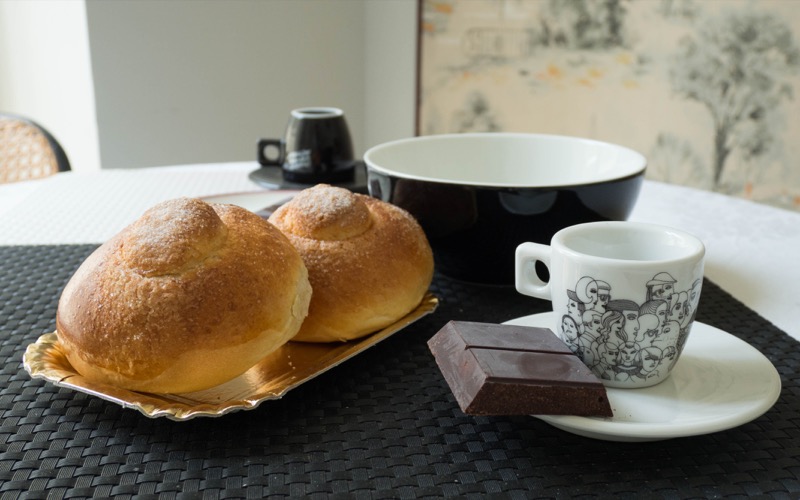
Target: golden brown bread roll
(368, 261)
(185, 298)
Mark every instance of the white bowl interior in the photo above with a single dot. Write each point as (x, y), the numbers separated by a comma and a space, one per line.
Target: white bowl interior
(505, 160)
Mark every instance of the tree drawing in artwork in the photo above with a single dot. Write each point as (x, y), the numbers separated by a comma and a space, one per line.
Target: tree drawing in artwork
(476, 116)
(583, 24)
(737, 66)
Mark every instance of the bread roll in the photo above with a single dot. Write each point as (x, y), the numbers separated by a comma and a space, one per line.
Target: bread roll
(185, 298)
(368, 261)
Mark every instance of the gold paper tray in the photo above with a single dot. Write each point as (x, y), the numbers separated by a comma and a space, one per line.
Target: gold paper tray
(290, 366)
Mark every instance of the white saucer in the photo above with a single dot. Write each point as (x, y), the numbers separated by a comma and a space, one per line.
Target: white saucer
(719, 382)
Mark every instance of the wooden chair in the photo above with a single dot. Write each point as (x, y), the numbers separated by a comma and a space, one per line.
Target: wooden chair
(27, 150)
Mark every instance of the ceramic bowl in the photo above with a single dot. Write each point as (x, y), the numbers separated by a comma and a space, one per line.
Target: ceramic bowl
(479, 195)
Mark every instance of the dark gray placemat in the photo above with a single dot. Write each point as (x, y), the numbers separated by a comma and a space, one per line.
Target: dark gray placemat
(382, 425)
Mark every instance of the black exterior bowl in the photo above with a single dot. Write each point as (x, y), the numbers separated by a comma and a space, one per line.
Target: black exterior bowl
(478, 196)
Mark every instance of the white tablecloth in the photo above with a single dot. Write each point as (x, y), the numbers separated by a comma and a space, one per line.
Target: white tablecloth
(753, 250)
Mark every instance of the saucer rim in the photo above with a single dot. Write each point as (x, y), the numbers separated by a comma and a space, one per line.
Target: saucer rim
(612, 430)
(271, 177)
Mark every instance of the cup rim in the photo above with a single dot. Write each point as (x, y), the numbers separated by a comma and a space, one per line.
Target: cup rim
(316, 113)
(695, 249)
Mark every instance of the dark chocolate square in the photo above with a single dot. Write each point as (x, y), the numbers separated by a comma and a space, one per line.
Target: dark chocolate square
(515, 370)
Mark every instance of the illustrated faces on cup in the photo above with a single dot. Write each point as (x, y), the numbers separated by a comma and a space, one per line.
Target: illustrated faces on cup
(670, 333)
(679, 309)
(649, 328)
(609, 353)
(611, 324)
(657, 308)
(575, 307)
(569, 328)
(661, 287)
(608, 331)
(650, 359)
(593, 294)
(630, 313)
(603, 296)
(627, 355)
(694, 295)
(591, 323)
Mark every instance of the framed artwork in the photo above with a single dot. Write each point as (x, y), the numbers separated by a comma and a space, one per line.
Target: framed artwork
(709, 92)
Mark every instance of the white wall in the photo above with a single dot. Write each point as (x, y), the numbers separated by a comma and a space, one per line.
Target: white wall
(195, 82)
(127, 83)
(45, 73)
(391, 70)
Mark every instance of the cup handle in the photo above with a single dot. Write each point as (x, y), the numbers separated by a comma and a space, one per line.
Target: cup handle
(263, 144)
(525, 277)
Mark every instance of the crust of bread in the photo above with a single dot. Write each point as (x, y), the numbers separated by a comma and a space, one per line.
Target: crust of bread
(369, 262)
(185, 298)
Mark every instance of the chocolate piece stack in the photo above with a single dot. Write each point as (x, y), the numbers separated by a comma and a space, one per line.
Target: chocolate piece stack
(515, 370)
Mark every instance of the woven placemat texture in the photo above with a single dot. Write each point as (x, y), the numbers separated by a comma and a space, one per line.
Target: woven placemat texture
(382, 425)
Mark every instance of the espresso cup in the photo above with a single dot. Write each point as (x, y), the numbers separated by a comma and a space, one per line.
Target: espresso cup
(624, 294)
(315, 148)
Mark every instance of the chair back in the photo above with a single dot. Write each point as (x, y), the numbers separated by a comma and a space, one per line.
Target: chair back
(27, 150)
